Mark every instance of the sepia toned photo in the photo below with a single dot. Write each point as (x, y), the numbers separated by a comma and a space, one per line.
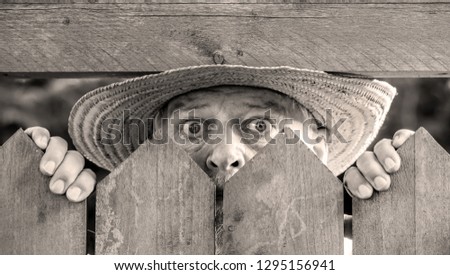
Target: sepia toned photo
(224, 128)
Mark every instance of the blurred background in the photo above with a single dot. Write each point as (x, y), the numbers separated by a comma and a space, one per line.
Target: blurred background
(47, 103)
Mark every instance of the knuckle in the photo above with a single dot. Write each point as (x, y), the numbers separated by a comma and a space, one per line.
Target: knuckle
(91, 173)
(382, 144)
(365, 159)
(350, 173)
(399, 132)
(53, 155)
(395, 157)
(60, 141)
(63, 172)
(353, 178)
(43, 131)
(75, 155)
(403, 133)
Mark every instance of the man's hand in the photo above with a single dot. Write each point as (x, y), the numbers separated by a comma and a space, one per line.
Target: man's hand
(65, 167)
(373, 168)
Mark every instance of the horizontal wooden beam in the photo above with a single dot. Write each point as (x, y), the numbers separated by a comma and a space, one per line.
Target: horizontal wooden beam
(381, 40)
(219, 1)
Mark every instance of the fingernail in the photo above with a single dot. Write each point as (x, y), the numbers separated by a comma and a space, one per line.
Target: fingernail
(395, 140)
(49, 167)
(380, 183)
(57, 187)
(348, 191)
(395, 137)
(42, 142)
(364, 191)
(389, 163)
(74, 193)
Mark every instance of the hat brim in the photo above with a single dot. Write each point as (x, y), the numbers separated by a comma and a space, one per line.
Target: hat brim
(363, 103)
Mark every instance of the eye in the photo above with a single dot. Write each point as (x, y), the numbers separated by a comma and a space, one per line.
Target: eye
(192, 128)
(259, 125)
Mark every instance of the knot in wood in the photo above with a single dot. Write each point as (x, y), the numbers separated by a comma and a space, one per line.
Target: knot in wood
(66, 21)
(218, 57)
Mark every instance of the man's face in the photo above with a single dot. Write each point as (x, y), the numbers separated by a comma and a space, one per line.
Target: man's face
(223, 127)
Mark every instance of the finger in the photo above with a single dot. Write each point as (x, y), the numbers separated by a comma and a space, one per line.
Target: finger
(54, 155)
(67, 172)
(387, 156)
(82, 187)
(372, 170)
(39, 135)
(400, 137)
(356, 184)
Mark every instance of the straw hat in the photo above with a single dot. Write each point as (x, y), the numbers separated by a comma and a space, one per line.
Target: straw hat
(363, 102)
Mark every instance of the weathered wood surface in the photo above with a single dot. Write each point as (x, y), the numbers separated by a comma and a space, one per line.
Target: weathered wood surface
(32, 219)
(284, 201)
(158, 201)
(413, 216)
(376, 39)
(220, 1)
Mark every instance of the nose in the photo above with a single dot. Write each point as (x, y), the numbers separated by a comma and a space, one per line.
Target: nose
(226, 158)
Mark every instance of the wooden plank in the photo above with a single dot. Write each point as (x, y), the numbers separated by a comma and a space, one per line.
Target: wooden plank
(402, 40)
(385, 223)
(432, 196)
(284, 201)
(413, 216)
(218, 1)
(32, 219)
(158, 201)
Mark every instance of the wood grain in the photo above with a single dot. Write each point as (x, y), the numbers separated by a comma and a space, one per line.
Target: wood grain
(32, 219)
(432, 196)
(401, 40)
(219, 1)
(285, 201)
(385, 223)
(158, 201)
(412, 217)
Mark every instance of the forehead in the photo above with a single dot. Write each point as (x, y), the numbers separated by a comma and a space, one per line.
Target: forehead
(236, 95)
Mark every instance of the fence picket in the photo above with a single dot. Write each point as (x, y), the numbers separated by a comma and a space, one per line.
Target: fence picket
(32, 219)
(158, 201)
(412, 217)
(432, 172)
(285, 201)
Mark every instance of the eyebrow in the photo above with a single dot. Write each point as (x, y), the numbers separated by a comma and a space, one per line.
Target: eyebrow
(187, 107)
(266, 105)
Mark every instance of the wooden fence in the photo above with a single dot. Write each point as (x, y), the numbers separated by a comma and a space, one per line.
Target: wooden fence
(298, 205)
(284, 201)
(385, 38)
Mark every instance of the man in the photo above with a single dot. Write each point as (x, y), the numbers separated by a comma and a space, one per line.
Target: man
(259, 102)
